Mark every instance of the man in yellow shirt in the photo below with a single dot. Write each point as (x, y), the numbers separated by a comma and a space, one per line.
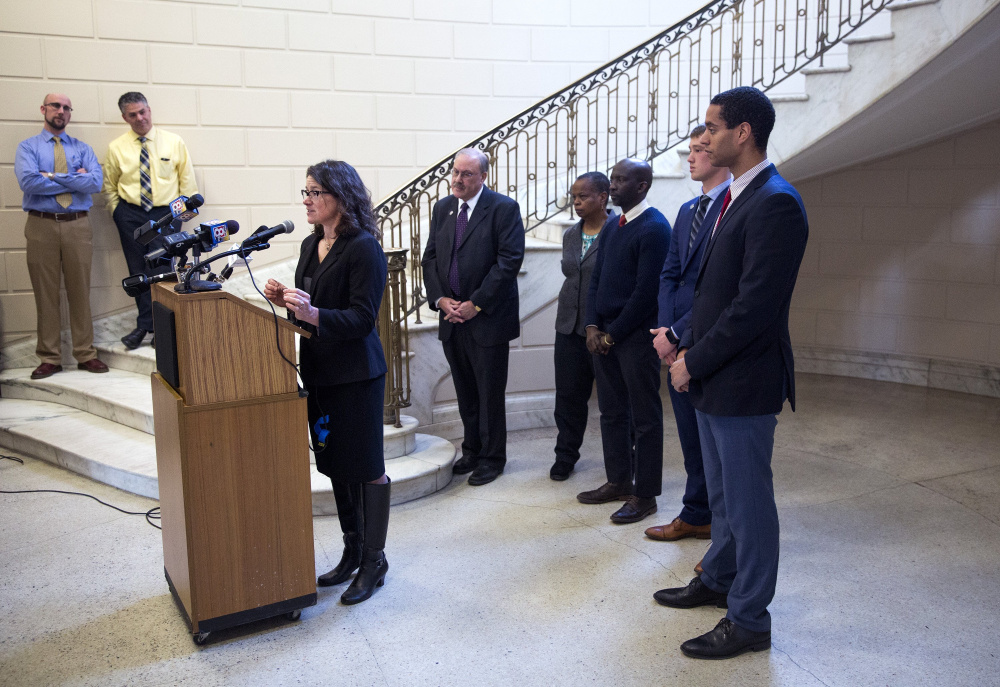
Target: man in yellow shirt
(146, 168)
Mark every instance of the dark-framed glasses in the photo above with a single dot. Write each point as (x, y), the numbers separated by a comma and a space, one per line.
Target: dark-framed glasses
(313, 194)
(59, 106)
(464, 175)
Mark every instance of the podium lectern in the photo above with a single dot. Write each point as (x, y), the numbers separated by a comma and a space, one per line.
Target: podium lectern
(233, 461)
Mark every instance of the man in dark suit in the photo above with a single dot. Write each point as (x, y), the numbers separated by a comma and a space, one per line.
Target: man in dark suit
(473, 254)
(680, 270)
(621, 309)
(736, 362)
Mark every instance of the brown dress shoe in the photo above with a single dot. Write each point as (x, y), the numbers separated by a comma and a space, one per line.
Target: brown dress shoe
(92, 365)
(605, 493)
(697, 568)
(45, 370)
(678, 529)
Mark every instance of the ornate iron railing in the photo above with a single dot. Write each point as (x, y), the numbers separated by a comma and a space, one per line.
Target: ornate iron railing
(640, 104)
(392, 332)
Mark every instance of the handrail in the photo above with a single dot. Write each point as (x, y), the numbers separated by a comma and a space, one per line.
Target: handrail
(639, 104)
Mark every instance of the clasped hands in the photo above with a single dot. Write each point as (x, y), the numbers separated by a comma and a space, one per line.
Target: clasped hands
(296, 300)
(679, 377)
(457, 312)
(598, 342)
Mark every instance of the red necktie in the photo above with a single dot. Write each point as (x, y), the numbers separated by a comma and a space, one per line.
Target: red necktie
(622, 221)
(725, 204)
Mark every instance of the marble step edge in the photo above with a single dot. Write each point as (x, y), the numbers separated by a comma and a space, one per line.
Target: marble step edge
(907, 4)
(119, 396)
(127, 459)
(870, 38)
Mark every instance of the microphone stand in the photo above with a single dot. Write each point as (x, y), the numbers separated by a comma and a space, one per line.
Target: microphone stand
(190, 285)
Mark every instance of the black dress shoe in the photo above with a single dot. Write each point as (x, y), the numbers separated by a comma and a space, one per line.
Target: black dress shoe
(605, 493)
(634, 510)
(484, 474)
(134, 339)
(727, 640)
(464, 465)
(560, 470)
(697, 593)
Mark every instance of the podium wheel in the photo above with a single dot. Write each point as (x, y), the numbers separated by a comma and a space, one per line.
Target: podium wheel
(200, 638)
(294, 615)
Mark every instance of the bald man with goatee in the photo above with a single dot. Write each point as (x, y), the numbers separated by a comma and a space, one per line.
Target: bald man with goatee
(57, 174)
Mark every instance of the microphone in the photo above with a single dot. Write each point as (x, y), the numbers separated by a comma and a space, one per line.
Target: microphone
(216, 231)
(265, 234)
(182, 208)
(138, 284)
(207, 236)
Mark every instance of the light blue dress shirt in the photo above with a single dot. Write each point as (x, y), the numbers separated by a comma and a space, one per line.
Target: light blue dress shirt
(36, 155)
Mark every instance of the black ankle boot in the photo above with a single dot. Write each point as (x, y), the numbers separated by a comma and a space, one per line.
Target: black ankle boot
(348, 497)
(374, 566)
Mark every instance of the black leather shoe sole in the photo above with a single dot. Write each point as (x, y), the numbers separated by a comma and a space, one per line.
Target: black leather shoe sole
(484, 475)
(727, 640)
(560, 471)
(672, 602)
(697, 593)
(626, 514)
(133, 339)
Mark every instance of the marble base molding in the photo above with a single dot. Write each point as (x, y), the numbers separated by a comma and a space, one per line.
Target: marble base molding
(951, 375)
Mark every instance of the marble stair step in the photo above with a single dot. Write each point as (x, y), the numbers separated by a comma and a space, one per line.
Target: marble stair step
(117, 395)
(125, 458)
(141, 361)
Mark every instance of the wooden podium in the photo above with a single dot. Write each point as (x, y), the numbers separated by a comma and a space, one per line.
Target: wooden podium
(233, 461)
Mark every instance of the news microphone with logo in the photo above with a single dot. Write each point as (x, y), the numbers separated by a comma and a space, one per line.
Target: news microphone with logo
(206, 237)
(265, 234)
(182, 209)
(216, 231)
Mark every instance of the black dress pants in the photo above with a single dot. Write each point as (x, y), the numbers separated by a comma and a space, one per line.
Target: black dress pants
(127, 218)
(628, 382)
(480, 377)
(574, 385)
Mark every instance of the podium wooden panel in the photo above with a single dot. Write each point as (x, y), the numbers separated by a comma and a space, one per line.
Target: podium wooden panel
(233, 465)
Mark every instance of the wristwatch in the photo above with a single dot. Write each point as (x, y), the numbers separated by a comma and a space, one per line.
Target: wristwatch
(671, 338)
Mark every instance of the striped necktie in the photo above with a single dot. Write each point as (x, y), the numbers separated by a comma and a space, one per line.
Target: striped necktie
(145, 182)
(699, 217)
(461, 224)
(59, 167)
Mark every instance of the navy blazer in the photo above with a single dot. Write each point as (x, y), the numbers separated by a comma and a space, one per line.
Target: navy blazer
(347, 288)
(740, 353)
(680, 269)
(489, 259)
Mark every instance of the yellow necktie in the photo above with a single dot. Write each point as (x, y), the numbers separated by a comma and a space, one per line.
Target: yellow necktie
(60, 167)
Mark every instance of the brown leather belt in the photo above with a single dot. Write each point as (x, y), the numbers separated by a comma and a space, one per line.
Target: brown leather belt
(59, 216)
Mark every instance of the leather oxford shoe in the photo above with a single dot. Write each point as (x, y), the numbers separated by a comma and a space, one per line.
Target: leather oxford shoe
(133, 339)
(678, 529)
(45, 370)
(634, 510)
(727, 640)
(92, 365)
(560, 470)
(697, 593)
(484, 474)
(605, 493)
(464, 465)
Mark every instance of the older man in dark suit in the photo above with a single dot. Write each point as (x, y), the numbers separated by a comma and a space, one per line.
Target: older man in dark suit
(736, 362)
(474, 252)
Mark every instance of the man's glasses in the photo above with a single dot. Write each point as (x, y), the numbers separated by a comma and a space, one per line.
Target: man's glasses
(59, 106)
(464, 175)
(313, 194)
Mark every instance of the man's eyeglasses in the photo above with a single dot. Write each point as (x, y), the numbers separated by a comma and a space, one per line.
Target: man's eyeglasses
(59, 106)
(464, 175)
(313, 194)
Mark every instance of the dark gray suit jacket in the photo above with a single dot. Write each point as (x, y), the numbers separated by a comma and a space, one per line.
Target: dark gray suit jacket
(489, 259)
(571, 310)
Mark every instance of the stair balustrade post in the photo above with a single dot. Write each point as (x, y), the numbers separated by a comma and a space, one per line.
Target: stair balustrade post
(394, 335)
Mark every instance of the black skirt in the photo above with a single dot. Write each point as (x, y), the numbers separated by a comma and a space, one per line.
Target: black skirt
(345, 422)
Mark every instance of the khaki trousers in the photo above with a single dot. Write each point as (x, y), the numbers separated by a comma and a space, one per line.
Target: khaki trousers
(61, 249)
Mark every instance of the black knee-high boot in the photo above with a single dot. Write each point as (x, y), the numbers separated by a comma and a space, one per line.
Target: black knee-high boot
(374, 566)
(348, 497)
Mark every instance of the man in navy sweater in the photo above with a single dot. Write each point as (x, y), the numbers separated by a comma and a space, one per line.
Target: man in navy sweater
(621, 309)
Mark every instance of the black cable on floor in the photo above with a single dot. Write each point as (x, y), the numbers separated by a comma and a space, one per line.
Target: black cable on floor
(151, 514)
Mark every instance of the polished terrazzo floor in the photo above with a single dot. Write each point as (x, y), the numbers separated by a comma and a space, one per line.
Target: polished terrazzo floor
(888, 498)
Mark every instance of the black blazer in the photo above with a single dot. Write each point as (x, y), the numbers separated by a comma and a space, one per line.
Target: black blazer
(347, 288)
(680, 269)
(571, 310)
(740, 356)
(489, 259)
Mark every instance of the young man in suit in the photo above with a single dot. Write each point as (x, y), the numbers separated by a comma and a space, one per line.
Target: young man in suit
(621, 309)
(680, 270)
(735, 360)
(474, 252)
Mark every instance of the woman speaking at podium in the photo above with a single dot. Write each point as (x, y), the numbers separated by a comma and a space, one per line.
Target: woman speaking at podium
(338, 289)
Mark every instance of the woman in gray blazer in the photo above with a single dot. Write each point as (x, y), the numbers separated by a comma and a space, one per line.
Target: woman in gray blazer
(574, 363)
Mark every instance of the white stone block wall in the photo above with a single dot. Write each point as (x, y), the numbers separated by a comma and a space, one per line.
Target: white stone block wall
(259, 89)
(904, 255)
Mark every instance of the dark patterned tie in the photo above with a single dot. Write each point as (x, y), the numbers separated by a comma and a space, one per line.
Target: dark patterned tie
(699, 217)
(145, 183)
(460, 226)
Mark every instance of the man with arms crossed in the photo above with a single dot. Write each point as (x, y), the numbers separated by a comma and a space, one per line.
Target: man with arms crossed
(473, 254)
(57, 174)
(735, 360)
(687, 245)
(146, 168)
